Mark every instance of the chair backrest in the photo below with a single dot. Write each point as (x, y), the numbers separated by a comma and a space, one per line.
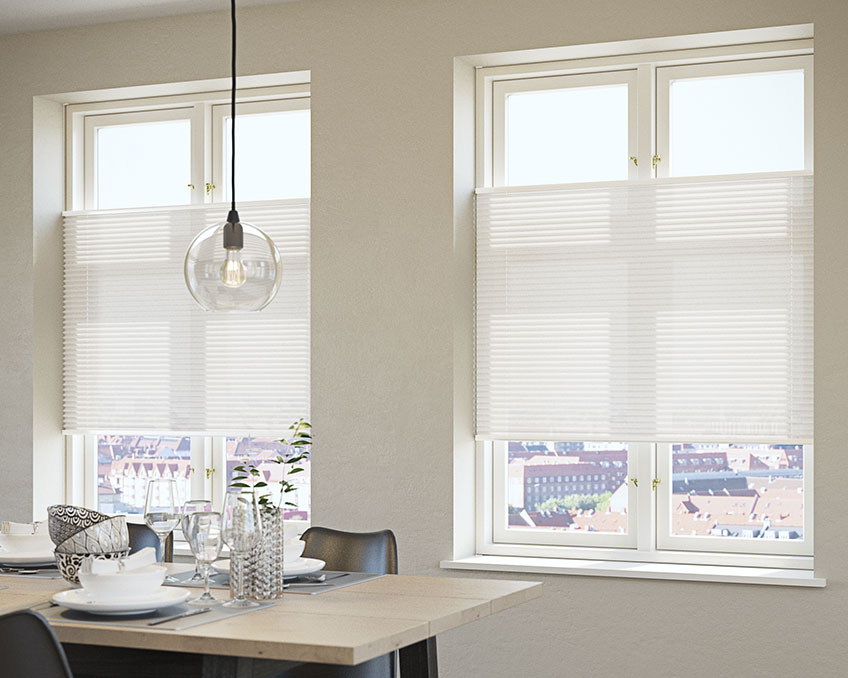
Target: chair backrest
(353, 551)
(142, 536)
(29, 648)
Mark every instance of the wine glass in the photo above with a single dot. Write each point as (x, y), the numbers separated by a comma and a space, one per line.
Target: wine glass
(162, 509)
(242, 530)
(203, 533)
(190, 507)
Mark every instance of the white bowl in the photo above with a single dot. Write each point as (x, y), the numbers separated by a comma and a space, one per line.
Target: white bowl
(131, 584)
(292, 550)
(26, 542)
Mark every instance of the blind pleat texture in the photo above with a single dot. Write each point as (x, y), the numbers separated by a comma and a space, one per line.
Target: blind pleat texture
(140, 355)
(676, 311)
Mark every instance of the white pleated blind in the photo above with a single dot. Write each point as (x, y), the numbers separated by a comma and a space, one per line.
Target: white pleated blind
(140, 355)
(676, 310)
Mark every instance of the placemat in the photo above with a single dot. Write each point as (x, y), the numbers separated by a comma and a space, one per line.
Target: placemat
(38, 573)
(334, 580)
(57, 613)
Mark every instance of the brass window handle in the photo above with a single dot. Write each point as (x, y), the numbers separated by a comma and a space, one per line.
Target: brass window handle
(635, 482)
(654, 483)
(655, 160)
(635, 160)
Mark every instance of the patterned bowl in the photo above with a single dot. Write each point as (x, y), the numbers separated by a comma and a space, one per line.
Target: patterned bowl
(104, 537)
(65, 521)
(70, 563)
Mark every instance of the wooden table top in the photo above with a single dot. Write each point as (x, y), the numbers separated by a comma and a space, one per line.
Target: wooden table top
(344, 626)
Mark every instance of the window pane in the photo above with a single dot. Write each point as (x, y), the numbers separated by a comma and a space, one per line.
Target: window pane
(263, 452)
(567, 135)
(741, 491)
(126, 463)
(575, 487)
(143, 165)
(272, 156)
(737, 124)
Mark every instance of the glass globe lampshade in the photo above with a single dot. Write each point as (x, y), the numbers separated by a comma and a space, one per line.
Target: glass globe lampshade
(245, 279)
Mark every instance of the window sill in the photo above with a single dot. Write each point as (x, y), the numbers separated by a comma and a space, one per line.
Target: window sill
(636, 570)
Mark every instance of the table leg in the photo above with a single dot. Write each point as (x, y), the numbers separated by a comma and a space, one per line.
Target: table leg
(419, 660)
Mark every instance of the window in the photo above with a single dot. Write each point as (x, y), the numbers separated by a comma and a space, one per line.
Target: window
(154, 386)
(644, 308)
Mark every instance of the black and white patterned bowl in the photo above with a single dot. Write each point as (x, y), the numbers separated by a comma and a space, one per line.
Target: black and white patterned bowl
(103, 537)
(70, 563)
(64, 521)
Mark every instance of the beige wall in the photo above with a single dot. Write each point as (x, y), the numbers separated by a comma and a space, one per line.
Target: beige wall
(383, 296)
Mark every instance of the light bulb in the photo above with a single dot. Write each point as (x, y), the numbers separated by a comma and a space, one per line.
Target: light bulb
(233, 273)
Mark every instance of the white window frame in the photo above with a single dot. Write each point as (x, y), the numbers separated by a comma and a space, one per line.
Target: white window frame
(79, 166)
(208, 452)
(651, 73)
(497, 449)
(503, 89)
(666, 75)
(220, 114)
(668, 541)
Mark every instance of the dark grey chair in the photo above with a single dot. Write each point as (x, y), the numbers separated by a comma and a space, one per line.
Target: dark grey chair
(29, 648)
(351, 552)
(142, 536)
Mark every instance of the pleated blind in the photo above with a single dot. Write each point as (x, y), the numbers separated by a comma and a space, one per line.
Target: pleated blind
(675, 310)
(141, 356)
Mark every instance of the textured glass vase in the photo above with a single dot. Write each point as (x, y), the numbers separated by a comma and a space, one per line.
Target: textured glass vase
(263, 567)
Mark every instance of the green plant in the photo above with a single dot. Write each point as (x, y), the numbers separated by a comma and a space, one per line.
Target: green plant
(299, 442)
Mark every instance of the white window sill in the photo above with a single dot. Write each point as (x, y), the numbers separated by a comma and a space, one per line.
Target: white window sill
(634, 570)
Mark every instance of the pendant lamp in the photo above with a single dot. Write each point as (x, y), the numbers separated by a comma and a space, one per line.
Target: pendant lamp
(233, 266)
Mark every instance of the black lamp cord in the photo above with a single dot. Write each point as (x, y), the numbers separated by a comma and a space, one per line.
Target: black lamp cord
(233, 233)
(233, 110)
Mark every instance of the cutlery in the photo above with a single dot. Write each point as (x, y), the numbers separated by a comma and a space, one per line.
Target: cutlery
(310, 578)
(190, 613)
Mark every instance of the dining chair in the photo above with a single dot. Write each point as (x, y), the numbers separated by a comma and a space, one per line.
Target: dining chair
(29, 648)
(142, 536)
(374, 552)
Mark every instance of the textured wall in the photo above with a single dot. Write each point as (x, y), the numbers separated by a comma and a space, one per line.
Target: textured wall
(383, 296)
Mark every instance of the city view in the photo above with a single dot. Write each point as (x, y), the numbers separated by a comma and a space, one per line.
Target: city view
(126, 463)
(740, 491)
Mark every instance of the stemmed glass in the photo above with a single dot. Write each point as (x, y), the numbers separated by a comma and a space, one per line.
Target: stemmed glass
(242, 530)
(203, 533)
(162, 509)
(188, 508)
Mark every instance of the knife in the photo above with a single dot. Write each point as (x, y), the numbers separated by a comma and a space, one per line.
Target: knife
(190, 613)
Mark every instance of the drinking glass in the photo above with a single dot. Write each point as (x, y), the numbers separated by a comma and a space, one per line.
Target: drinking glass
(242, 530)
(203, 533)
(162, 509)
(190, 507)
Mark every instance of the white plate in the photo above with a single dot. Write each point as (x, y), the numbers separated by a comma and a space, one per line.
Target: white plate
(79, 599)
(292, 569)
(27, 558)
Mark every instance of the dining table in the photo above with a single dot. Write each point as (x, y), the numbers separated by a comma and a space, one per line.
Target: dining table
(345, 626)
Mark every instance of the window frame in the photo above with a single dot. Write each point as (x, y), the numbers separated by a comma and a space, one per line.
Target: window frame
(208, 451)
(503, 89)
(221, 112)
(648, 546)
(653, 71)
(79, 169)
(666, 75)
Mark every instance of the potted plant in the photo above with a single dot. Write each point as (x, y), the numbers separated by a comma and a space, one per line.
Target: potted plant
(264, 566)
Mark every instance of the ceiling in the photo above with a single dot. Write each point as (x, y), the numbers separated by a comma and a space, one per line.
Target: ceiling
(20, 16)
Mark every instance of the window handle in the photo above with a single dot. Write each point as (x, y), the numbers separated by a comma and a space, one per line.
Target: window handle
(210, 188)
(191, 186)
(635, 482)
(635, 160)
(654, 483)
(655, 161)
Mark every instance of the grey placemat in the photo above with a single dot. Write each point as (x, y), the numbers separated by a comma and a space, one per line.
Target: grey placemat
(40, 573)
(334, 580)
(57, 613)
